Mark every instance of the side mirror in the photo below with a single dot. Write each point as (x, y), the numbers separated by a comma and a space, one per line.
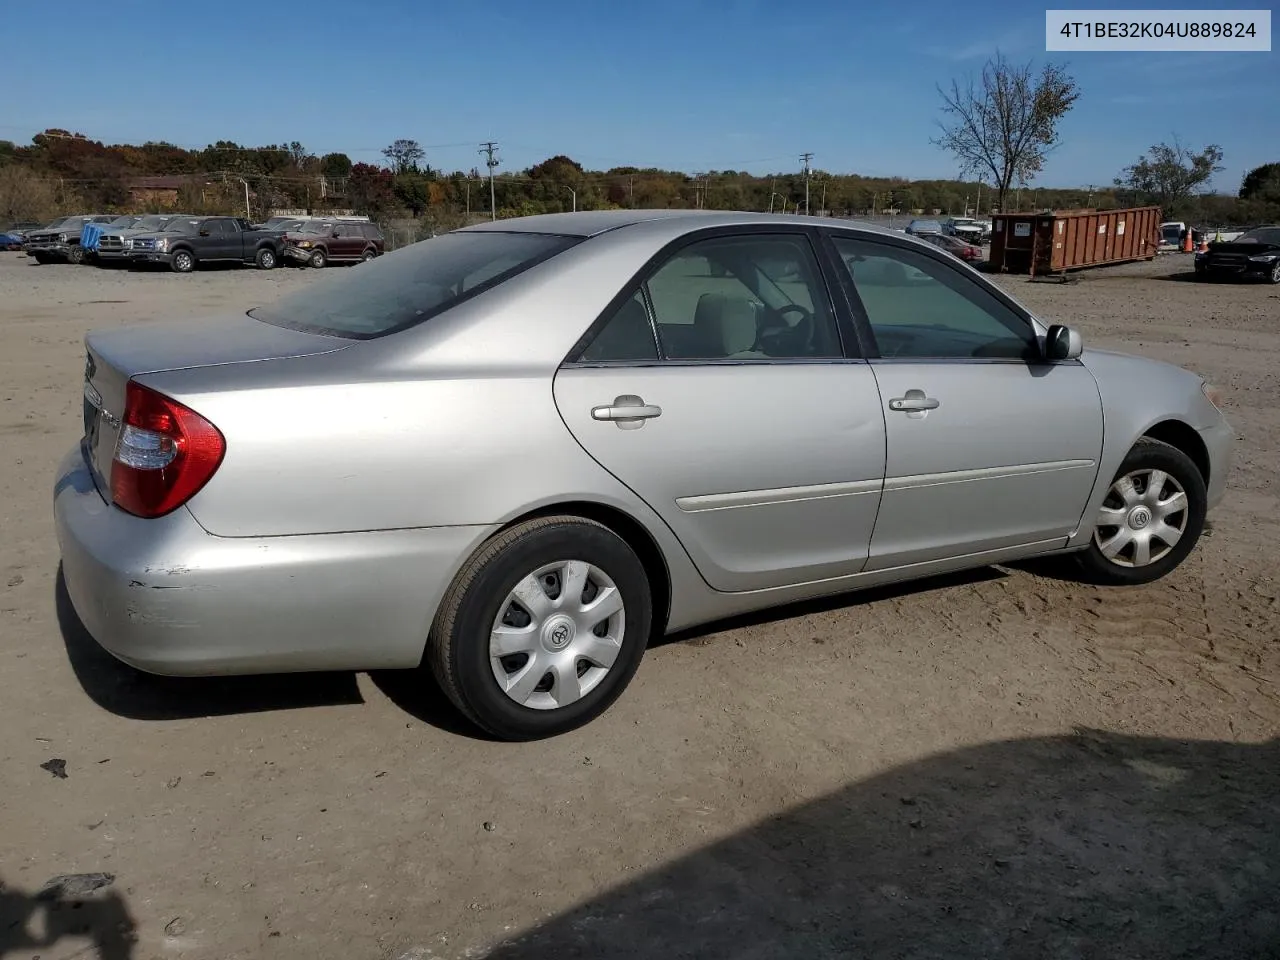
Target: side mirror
(1063, 343)
(204, 233)
(335, 232)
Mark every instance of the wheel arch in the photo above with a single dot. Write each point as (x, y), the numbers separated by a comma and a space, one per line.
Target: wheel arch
(1184, 437)
(633, 533)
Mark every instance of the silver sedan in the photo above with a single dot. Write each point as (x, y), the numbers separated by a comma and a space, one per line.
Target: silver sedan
(518, 451)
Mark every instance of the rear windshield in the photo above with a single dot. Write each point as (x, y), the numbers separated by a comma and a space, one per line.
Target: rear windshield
(409, 286)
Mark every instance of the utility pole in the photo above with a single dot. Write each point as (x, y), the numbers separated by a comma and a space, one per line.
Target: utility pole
(631, 189)
(822, 205)
(487, 148)
(805, 158)
(977, 206)
(773, 182)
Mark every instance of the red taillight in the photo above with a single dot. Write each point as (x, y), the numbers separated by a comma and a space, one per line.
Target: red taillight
(165, 454)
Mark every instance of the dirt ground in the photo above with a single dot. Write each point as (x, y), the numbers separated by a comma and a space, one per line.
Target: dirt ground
(1002, 764)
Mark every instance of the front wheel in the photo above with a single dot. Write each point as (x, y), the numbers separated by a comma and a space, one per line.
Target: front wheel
(42, 258)
(543, 628)
(317, 259)
(1150, 519)
(1274, 275)
(76, 254)
(183, 261)
(266, 259)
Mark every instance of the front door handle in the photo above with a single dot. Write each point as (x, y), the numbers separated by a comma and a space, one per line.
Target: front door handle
(914, 403)
(628, 411)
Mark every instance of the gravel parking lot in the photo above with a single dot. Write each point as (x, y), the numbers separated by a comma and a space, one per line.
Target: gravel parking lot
(999, 764)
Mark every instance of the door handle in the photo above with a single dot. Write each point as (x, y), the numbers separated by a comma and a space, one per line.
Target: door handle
(914, 402)
(627, 410)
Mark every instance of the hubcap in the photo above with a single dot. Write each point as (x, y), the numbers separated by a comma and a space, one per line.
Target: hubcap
(184, 261)
(558, 634)
(1143, 517)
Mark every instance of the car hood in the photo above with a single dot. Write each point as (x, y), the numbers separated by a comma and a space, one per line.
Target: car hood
(1247, 247)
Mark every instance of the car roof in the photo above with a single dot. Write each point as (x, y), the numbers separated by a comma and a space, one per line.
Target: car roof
(594, 222)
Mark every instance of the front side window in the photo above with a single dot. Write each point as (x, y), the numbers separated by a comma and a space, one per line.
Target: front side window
(412, 285)
(729, 298)
(920, 308)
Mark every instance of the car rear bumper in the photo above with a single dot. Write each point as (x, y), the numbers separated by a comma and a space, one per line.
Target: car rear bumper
(167, 597)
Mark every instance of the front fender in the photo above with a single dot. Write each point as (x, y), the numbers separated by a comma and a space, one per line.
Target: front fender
(1139, 394)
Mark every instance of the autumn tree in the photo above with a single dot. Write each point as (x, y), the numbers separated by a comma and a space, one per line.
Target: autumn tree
(1003, 124)
(1169, 173)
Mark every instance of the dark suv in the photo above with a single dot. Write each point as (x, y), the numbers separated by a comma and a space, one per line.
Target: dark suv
(318, 242)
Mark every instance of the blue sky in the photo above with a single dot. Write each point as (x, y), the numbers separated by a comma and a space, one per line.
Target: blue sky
(692, 85)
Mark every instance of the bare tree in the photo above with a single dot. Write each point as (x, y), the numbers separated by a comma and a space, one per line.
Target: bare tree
(1004, 123)
(404, 155)
(1169, 173)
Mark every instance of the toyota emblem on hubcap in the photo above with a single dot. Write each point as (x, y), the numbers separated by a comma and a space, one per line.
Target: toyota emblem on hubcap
(1140, 518)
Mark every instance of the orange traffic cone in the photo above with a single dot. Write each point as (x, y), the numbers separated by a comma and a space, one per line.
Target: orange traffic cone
(1188, 244)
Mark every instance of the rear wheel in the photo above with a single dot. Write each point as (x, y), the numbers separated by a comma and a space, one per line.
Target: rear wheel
(543, 628)
(368, 255)
(1150, 519)
(317, 259)
(266, 259)
(1274, 275)
(184, 261)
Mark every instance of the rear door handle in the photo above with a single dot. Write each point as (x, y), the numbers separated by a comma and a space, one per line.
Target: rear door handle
(627, 410)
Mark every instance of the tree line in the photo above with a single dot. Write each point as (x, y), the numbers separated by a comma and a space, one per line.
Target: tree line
(65, 172)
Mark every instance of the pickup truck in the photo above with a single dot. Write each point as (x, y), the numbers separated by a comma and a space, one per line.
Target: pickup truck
(60, 240)
(185, 243)
(113, 245)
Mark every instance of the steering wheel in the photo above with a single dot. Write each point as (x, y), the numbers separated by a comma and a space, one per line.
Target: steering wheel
(799, 336)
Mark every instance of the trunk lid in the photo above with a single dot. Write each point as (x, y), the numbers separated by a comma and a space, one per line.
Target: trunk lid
(114, 357)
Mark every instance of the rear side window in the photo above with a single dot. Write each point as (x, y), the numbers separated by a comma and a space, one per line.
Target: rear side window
(412, 285)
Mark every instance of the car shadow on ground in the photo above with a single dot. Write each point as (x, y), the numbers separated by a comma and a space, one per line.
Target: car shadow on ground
(130, 693)
(839, 601)
(35, 923)
(1088, 845)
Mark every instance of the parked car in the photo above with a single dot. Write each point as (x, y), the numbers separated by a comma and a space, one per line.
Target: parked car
(60, 240)
(11, 241)
(184, 244)
(1255, 254)
(918, 228)
(115, 245)
(966, 228)
(955, 246)
(318, 242)
(519, 450)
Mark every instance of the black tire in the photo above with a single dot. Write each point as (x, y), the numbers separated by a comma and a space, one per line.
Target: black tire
(1274, 275)
(368, 255)
(42, 258)
(317, 259)
(1148, 454)
(183, 261)
(458, 646)
(266, 259)
(76, 254)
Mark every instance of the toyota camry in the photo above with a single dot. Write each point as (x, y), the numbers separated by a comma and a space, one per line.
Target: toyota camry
(518, 451)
